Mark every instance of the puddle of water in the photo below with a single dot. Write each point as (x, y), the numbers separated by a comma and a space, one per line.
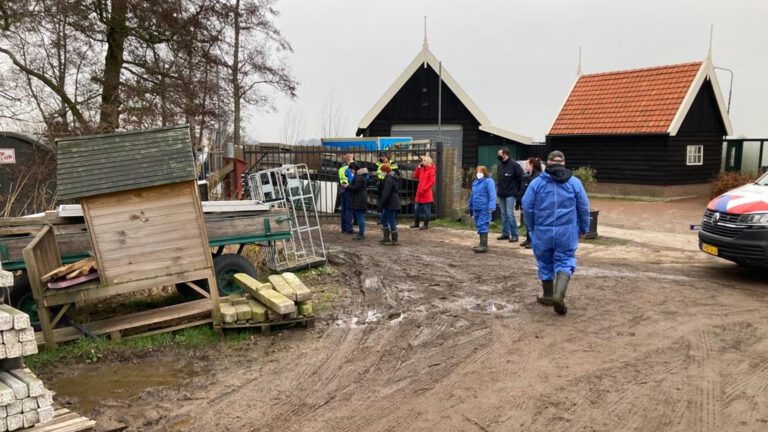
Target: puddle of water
(118, 382)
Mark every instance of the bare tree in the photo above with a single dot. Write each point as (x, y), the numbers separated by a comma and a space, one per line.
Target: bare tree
(293, 126)
(331, 119)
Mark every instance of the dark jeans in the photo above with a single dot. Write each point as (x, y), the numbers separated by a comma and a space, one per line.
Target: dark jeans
(427, 207)
(360, 218)
(389, 218)
(346, 211)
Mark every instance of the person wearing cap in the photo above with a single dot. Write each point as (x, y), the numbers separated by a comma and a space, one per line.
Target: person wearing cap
(556, 214)
(345, 178)
(482, 203)
(389, 204)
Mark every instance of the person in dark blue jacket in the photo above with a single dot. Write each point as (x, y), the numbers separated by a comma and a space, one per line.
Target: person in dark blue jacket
(482, 202)
(556, 214)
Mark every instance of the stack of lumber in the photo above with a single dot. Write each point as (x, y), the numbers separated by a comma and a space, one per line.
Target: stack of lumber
(284, 297)
(72, 274)
(24, 400)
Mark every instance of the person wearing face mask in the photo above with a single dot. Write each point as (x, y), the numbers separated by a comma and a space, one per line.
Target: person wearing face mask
(556, 210)
(482, 202)
(509, 179)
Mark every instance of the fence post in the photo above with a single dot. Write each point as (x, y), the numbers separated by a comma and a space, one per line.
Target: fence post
(439, 211)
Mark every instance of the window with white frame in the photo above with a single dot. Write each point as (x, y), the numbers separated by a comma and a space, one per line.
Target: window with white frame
(695, 155)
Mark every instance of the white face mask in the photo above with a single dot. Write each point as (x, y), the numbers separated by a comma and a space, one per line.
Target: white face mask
(479, 175)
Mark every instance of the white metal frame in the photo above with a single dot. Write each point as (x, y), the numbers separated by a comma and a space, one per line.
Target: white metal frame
(291, 187)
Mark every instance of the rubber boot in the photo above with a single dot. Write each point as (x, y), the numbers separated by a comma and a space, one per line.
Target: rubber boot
(483, 246)
(558, 297)
(415, 223)
(394, 239)
(547, 288)
(386, 240)
(426, 225)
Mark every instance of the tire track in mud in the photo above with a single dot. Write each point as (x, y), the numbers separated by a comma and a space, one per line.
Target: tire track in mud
(707, 403)
(744, 391)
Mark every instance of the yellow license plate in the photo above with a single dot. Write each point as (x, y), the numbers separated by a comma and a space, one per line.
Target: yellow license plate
(712, 250)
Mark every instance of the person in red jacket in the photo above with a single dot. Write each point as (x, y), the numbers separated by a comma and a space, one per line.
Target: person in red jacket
(425, 174)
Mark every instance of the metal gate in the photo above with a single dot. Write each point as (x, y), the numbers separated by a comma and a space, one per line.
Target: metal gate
(323, 166)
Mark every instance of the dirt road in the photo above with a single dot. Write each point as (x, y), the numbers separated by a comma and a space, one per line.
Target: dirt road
(428, 336)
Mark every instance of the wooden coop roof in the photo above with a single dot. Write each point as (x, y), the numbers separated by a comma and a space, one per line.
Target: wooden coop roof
(641, 101)
(101, 164)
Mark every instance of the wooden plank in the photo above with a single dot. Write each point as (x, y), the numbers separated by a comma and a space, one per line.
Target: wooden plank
(146, 213)
(91, 292)
(145, 271)
(281, 285)
(166, 241)
(150, 251)
(184, 216)
(269, 298)
(122, 208)
(75, 210)
(302, 292)
(138, 196)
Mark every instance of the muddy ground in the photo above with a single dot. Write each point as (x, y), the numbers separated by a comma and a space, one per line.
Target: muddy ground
(428, 336)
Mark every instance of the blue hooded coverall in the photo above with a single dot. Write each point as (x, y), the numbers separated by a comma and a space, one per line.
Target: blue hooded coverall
(482, 202)
(556, 211)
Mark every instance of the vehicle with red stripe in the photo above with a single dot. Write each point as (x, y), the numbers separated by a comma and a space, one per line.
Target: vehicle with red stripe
(735, 225)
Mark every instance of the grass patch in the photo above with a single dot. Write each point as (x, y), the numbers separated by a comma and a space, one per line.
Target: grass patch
(325, 298)
(93, 350)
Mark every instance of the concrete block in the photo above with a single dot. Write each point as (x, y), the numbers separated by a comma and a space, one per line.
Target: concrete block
(20, 319)
(305, 308)
(302, 292)
(3, 412)
(45, 400)
(3, 425)
(228, 313)
(6, 279)
(14, 408)
(34, 384)
(15, 421)
(29, 404)
(243, 312)
(6, 321)
(258, 311)
(45, 415)
(28, 348)
(20, 390)
(239, 300)
(2, 352)
(13, 350)
(282, 286)
(27, 335)
(30, 418)
(10, 336)
(7, 395)
(268, 297)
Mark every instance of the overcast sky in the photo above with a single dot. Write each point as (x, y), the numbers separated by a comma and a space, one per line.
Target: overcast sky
(517, 59)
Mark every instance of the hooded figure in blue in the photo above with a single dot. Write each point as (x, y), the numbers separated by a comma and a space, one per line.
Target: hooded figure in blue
(482, 202)
(556, 213)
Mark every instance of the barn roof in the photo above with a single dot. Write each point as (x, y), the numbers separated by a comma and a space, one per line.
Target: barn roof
(652, 100)
(100, 164)
(422, 59)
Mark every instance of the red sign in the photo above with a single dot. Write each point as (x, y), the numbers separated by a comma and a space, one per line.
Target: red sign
(7, 156)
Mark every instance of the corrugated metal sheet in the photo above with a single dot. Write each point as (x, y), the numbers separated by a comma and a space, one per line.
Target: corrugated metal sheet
(100, 164)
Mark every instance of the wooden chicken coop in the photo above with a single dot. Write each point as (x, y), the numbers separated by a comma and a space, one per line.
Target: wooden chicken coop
(144, 218)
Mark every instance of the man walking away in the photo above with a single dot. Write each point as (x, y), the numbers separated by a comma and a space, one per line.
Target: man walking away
(482, 203)
(425, 175)
(389, 205)
(556, 213)
(345, 178)
(509, 179)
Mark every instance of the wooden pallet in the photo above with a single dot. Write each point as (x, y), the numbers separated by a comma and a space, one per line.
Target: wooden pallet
(115, 326)
(266, 327)
(64, 420)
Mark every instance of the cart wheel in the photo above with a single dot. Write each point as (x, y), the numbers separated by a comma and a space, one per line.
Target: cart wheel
(226, 266)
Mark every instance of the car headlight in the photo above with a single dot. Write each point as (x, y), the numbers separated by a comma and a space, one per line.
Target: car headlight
(754, 219)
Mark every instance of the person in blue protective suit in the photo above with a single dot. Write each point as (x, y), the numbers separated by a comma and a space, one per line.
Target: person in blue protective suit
(482, 203)
(556, 214)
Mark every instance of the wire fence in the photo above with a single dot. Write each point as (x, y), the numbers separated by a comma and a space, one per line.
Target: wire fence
(323, 166)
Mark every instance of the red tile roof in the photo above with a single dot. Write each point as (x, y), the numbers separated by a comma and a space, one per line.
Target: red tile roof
(626, 102)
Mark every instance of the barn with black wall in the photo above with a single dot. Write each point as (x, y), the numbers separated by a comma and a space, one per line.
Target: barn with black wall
(410, 108)
(28, 184)
(645, 130)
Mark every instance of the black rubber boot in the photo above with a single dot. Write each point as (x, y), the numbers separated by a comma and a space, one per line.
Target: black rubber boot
(558, 297)
(527, 243)
(483, 246)
(426, 225)
(502, 237)
(415, 223)
(394, 239)
(386, 240)
(547, 288)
